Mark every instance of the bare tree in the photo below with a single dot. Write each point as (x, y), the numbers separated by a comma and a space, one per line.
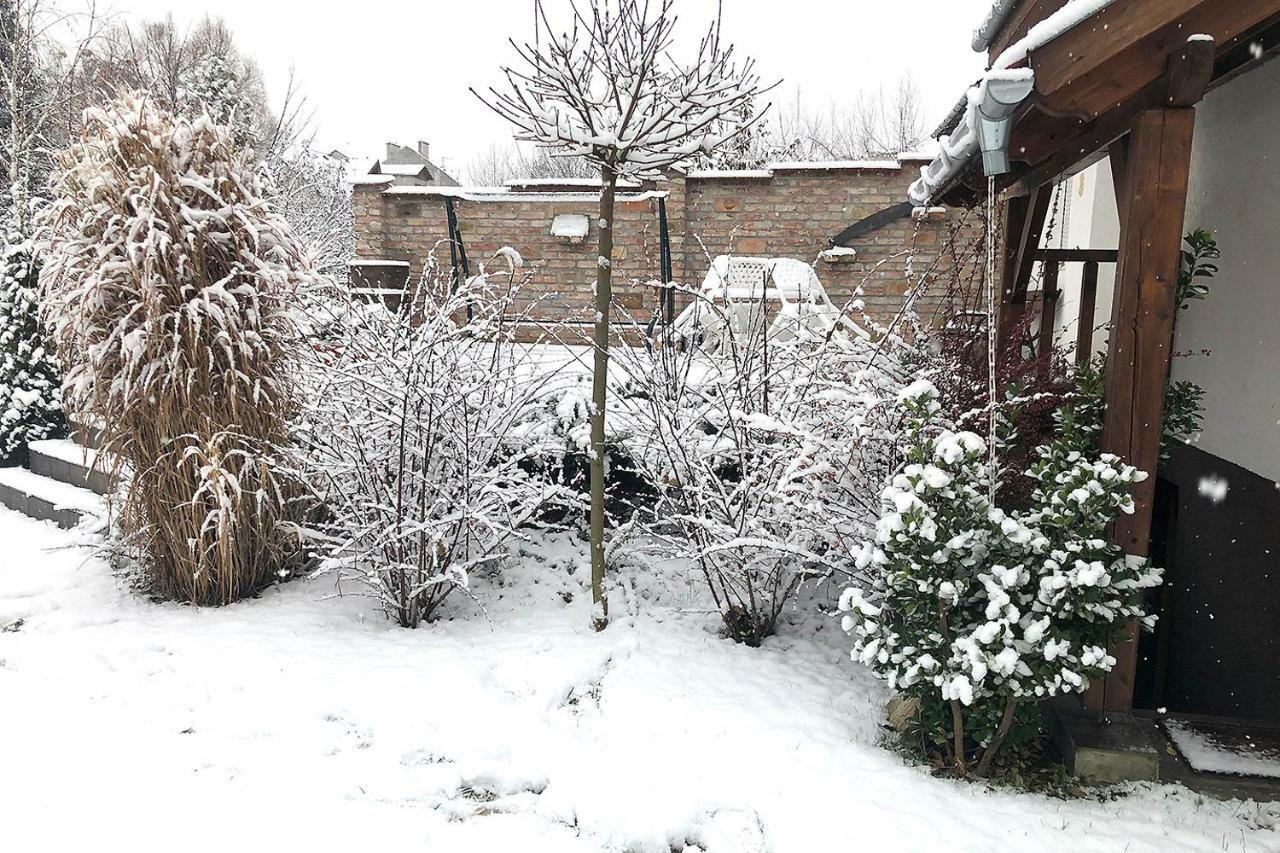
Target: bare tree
(610, 90)
(874, 125)
(500, 164)
(42, 48)
(187, 73)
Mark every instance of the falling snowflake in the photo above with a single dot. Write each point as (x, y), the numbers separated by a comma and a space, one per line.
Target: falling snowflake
(1214, 488)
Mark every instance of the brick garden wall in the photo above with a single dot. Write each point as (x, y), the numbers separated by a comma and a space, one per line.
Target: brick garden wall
(786, 211)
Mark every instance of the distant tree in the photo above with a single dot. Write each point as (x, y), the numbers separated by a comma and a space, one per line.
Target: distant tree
(187, 73)
(42, 46)
(873, 125)
(503, 163)
(610, 90)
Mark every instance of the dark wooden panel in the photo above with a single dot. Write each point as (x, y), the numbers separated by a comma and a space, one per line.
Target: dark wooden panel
(1220, 621)
(1096, 256)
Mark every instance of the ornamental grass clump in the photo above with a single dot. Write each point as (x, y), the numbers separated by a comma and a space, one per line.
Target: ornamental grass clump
(167, 282)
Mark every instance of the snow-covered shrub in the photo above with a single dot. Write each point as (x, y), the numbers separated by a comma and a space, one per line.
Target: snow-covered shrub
(767, 460)
(556, 434)
(977, 613)
(167, 281)
(30, 379)
(410, 428)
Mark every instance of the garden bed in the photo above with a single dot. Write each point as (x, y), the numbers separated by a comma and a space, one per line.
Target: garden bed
(305, 719)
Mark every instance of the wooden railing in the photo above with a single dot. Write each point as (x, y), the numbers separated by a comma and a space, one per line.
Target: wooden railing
(1053, 259)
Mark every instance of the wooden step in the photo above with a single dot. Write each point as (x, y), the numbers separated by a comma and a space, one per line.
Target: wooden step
(68, 462)
(47, 499)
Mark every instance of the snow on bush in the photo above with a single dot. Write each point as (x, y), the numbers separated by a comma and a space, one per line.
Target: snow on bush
(30, 379)
(975, 612)
(411, 428)
(767, 458)
(167, 281)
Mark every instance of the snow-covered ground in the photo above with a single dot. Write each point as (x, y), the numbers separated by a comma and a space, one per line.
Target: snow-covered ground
(305, 721)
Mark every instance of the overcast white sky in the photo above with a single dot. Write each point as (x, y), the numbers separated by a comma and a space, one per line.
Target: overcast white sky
(398, 70)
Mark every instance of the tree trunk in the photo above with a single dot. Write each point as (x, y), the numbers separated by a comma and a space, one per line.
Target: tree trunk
(599, 395)
(957, 712)
(989, 754)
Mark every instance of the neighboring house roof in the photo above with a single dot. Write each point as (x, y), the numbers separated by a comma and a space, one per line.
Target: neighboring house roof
(411, 167)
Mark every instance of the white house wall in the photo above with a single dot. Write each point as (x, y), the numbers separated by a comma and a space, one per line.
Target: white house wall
(1093, 224)
(1235, 192)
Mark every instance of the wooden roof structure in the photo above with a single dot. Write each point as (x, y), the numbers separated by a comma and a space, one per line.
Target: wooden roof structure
(1122, 82)
(1094, 79)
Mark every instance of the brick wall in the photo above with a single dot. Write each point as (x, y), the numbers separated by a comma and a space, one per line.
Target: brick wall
(786, 211)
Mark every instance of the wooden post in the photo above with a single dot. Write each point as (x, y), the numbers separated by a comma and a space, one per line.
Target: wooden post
(1023, 226)
(1153, 199)
(1088, 307)
(1048, 306)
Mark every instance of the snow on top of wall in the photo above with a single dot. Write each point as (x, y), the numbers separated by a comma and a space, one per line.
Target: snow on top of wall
(499, 194)
(812, 166)
(586, 183)
(710, 174)
(833, 165)
(376, 262)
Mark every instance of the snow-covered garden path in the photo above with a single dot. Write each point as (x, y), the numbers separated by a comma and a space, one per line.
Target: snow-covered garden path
(303, 721)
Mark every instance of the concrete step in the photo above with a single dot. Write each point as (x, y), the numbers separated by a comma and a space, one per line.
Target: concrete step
(47, 499)
(68, 462)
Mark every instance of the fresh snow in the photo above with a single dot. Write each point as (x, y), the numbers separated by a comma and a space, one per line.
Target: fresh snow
(991, 24)
(60, 495)
(304, 720)
(1208, 756)
(1072, 13)
(504, 194)
(65, 450)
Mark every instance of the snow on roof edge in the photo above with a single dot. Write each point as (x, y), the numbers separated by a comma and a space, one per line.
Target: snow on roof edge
(956, 154)
(991, 24)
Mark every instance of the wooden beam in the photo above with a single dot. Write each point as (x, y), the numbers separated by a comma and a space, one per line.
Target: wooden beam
(1190, 72)
(1249, 51)
(1054, 134)
(1088, 308)
(1048, 310)
(1078, 256)
(1024, 223)
(1114, 54)
(1119, 153)
(1093, 44)
(874, 222)
(1026, 15)
(1155, 189)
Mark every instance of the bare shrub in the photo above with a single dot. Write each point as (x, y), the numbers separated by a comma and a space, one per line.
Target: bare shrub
(768, 456)
(167, 282)
(411, 427)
